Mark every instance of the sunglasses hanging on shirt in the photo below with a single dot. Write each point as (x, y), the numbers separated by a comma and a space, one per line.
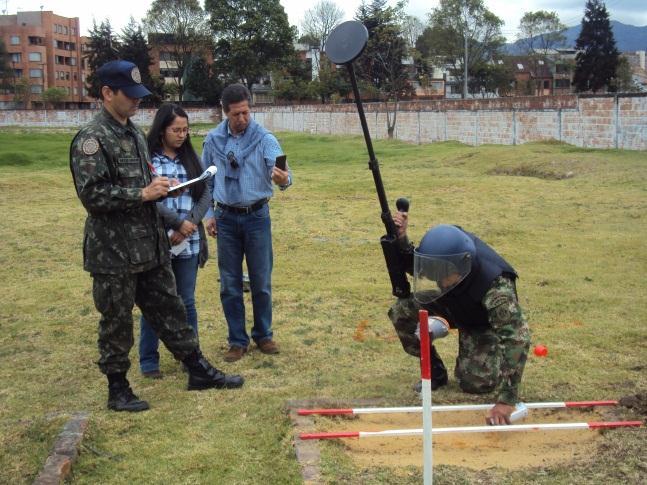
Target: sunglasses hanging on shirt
(231, 158)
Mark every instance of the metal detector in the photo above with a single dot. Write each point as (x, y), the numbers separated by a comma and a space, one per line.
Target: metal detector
(345, 44)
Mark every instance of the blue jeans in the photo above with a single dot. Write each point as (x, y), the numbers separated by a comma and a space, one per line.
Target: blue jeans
(186, 273)
(249, 236)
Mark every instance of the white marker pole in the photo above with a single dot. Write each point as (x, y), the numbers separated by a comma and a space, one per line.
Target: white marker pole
(474, 429)
(425, 376)
(451, 407)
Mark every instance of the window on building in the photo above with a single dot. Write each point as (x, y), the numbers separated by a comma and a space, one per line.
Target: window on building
(16, 57)
(35, 57)
(36, 88)
(76, 91)
(65, 30)
(562, 83)
(33, 40)
(546, 84)
(72, 61)
(166, 56)
(17, 72)
(56, 75)
(67, 76)
(35, 73)
(75, 76)
(15, 40)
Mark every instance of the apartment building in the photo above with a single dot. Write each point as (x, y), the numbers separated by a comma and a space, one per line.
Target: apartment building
(46, 50)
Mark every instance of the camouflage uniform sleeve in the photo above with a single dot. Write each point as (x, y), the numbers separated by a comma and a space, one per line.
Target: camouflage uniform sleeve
(94, 184)
(509, 323)
(404, 317)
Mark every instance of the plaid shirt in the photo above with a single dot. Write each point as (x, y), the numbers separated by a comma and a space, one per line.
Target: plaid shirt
(173, 169)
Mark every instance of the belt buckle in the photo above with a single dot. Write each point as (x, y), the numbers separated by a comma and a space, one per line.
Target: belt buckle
(247, 210)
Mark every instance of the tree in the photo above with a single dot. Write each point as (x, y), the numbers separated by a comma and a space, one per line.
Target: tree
(203, 82)
(488, 78)
(623, 81)
(252, 37)
(22, 92)
(292, 81)
(103, 47)
(597, 57)
(331, 83)
(53, 96)
(134, 48)
(412, 28)
(180, 30)
(381, 63)
(6, 72)
(539, 33)
(462, 33)
(319, 21)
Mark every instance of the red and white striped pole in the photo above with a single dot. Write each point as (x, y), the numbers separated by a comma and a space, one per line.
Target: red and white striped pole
(475, 429)
(425, 376)
(451, 407)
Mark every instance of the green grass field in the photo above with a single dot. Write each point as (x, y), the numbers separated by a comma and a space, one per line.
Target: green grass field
(572, 221)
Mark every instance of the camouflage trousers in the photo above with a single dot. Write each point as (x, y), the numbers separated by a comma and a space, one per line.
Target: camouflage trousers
(155, 293)
(483, 361)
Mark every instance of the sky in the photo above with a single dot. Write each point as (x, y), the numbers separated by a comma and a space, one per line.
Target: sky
(632, 12)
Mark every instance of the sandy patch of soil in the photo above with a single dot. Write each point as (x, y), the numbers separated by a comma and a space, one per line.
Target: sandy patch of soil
(512, 450)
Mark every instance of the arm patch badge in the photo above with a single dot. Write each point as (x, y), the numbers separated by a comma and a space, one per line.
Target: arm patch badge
(90, 146)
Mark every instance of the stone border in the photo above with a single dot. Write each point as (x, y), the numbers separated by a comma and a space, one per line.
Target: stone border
(65, 451)
(307, 452)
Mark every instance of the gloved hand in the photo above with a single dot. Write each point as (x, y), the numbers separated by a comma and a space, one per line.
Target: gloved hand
(438, 328)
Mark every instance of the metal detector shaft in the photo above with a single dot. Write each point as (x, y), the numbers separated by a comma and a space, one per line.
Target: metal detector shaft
(391, 245)
(346, 43)
(372, 163)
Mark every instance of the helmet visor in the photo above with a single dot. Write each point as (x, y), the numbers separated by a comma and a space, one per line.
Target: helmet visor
(435, 276)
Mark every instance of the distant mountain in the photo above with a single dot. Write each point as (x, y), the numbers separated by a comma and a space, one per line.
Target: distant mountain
(629, 38)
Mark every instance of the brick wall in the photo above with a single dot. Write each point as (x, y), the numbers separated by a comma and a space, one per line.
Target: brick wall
(586, 121)
(76, 118)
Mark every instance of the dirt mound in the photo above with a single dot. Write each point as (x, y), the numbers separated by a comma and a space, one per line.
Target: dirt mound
(637, 403)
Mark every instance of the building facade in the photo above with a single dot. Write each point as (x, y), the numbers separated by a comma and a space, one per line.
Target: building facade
(45, 51)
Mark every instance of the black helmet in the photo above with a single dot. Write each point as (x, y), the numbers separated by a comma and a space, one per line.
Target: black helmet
(441, 261)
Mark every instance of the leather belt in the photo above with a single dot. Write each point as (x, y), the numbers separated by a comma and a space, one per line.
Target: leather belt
(243, 210)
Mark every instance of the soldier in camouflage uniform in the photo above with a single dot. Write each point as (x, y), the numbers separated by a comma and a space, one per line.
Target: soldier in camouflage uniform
(125, 247)
(460, 278)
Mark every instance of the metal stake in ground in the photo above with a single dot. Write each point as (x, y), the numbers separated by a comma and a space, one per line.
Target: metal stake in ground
(473, 429)
(425, 376)
(451, 407)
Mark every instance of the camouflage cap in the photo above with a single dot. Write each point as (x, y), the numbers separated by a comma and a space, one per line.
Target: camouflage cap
(123, 75)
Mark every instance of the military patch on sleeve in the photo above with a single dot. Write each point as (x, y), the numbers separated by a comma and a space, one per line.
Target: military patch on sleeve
(90, 146)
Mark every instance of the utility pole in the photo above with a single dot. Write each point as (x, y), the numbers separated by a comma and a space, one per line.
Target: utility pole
(465, 64)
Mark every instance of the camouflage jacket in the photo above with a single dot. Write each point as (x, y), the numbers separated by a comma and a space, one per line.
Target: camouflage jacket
(110, 167)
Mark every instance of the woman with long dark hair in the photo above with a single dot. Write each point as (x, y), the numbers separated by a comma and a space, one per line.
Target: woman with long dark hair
(173, 156)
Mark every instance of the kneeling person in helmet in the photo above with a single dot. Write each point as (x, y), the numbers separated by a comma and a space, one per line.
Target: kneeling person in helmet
(460, 278)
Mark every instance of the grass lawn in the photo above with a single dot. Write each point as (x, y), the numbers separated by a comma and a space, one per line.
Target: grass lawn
(572, 221)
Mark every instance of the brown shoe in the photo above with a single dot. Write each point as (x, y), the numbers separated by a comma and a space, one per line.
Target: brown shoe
(234, 353)
(268, 346)
(153, 374)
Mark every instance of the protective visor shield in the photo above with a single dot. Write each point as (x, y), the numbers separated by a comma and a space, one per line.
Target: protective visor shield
(435, 276)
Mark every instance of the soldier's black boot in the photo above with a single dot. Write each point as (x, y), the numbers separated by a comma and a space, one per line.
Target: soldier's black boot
(202, 375)
(438, 372)
(121, 396)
